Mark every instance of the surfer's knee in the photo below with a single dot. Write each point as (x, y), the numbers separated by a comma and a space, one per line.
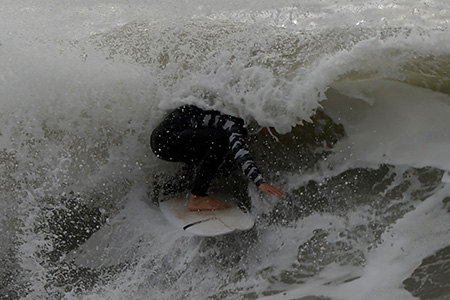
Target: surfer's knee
(220, 140)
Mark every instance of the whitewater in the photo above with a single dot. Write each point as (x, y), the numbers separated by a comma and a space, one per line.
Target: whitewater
(357, 94)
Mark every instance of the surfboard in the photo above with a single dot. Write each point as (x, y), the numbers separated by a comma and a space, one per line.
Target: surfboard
(205, 223)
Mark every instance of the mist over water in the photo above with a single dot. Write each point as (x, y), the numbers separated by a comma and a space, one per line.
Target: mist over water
(358, 92)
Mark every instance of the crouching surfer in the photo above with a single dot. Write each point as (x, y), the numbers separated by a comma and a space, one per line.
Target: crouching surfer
(192, 135)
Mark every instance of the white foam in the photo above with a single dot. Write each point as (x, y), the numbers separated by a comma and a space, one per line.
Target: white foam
(404, 246)
(394, 123)
(116, 242)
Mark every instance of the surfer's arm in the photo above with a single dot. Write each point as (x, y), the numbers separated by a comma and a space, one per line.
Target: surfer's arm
(248, 166)
(243, 158)
(241, 155)
(235, 133)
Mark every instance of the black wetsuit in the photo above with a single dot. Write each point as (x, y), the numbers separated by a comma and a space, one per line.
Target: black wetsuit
(192, 135)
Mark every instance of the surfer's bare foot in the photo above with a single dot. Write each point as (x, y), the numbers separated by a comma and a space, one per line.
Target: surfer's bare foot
(202, 203)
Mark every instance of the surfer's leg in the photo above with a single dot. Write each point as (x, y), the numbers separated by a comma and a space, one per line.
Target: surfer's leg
(207, 147)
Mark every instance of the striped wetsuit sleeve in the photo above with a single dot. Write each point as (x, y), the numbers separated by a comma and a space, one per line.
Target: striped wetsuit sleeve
(243, 158)
(238, 147)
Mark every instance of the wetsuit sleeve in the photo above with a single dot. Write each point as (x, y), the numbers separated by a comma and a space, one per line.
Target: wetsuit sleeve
(243, 158)
(236, 133)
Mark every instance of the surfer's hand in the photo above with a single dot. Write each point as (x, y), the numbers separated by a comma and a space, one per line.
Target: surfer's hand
(271, 190)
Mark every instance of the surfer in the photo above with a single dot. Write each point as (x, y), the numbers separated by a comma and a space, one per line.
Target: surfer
(192, 135)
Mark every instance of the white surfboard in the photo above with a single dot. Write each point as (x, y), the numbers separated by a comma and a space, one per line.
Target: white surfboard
(205, 223)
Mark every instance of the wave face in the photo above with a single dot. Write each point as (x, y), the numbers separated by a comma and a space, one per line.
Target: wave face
(358, 92)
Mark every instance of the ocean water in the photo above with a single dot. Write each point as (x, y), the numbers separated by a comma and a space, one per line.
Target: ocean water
(358, 93)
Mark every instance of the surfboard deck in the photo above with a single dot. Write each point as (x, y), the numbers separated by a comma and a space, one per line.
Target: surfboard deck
(205, 223)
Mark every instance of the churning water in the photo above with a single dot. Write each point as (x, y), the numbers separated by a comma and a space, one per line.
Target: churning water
(358, 91)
